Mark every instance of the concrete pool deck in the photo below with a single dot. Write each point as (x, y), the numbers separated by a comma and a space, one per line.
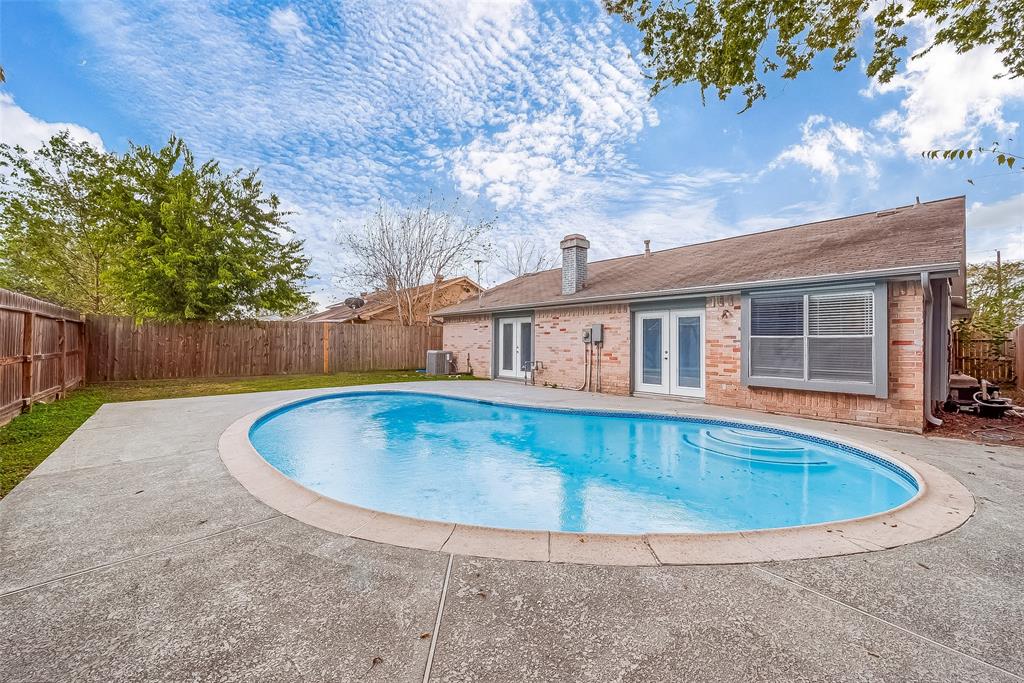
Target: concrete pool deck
(940, 505)
(133, 554)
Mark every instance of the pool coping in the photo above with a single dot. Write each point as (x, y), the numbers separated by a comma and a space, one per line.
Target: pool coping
(941, 505)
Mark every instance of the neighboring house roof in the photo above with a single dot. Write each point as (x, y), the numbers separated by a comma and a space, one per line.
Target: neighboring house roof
(926, 236)
(376, 303)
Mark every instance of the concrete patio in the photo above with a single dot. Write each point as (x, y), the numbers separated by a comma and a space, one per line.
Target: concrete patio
(132, 554)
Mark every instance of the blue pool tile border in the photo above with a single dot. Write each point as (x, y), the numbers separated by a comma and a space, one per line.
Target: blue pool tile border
(717, 422)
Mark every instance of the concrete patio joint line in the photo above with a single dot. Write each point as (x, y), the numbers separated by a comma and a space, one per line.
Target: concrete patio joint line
(36, 475)
(172, 546)
(889, 623)
(654, 554)
(437, 621)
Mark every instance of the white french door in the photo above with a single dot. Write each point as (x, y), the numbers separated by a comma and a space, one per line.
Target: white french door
(515, 346)
(669, 352)
(652, 352)
(687, 341)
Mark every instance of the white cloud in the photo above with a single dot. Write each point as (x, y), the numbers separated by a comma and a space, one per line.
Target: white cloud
(949, 99)
(18, 127)
(533, 109)
(618, 211)
(997, 225)
(290, 27)
(497, 99)
(833, 148)
(594, 100)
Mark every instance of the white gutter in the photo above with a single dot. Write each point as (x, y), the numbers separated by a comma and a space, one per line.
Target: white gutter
(926, 285)
(936, 270)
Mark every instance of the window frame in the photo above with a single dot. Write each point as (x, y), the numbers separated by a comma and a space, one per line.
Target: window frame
(878, 387)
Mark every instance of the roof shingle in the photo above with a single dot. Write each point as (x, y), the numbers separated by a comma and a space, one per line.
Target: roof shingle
(908, 237)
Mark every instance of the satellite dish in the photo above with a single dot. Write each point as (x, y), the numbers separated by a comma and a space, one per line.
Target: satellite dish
(354, 302)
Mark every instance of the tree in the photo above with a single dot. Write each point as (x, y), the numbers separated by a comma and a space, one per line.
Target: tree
(995, 295)
(206, 244)
(147, 234)
(1001, 156)
(521, 256)
(59, 235)
(728, 44)
(399, 249)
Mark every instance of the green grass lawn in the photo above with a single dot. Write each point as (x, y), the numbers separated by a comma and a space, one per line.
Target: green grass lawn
(28, 439)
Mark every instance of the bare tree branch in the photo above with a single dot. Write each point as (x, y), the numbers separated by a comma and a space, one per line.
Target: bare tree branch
(399, 249)
(522, 256)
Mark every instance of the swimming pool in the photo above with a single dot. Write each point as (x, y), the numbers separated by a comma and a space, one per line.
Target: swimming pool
(489, 464)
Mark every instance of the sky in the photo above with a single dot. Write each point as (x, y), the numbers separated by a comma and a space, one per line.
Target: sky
(535, 112)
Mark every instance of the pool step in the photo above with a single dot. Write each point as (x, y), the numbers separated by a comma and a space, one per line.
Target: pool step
(796, 457)
(778, 448)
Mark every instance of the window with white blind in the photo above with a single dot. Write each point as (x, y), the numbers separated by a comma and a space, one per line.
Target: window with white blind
(825, 340)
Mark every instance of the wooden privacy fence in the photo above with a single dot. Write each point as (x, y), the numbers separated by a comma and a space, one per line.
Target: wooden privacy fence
(991, 359)
(121, 350)
(41, 352)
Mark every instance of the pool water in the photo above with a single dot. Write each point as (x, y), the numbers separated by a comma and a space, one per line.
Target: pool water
(472, 462)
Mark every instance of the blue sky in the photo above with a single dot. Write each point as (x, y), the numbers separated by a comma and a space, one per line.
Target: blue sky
(536, 111)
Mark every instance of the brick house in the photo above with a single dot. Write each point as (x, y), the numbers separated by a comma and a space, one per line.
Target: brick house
(845, 319)
(380, 306)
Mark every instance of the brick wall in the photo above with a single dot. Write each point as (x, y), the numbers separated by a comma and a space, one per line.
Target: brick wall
(558, 339)
(903, 409)
(469, 338)
(558, 344)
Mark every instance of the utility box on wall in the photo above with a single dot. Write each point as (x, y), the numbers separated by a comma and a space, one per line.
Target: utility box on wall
(597, 333)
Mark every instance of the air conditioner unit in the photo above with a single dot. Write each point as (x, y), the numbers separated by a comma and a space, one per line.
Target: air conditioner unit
(439, 362)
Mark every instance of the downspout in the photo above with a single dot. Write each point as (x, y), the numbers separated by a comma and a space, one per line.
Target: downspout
(926, 285)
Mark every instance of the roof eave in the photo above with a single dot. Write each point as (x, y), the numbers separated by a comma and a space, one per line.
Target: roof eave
(935, 270)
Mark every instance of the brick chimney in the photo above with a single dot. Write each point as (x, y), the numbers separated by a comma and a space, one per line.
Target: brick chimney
(574, 263)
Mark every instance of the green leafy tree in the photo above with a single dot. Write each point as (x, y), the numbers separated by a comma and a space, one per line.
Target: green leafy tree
(205, 244)
(724, 45)
(150, 234)
(995, 295)
(59, 235)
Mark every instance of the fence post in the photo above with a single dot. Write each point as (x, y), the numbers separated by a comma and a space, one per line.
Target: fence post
(27, 368)
(62, 347)
(327, 346)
